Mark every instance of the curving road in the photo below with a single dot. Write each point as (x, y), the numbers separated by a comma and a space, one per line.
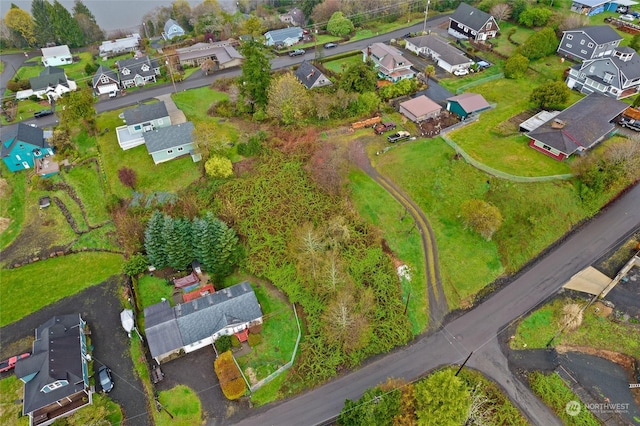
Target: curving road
(476, 330)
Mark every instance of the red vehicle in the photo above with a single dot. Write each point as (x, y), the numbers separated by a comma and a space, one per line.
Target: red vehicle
(384, 127)
(8, 364)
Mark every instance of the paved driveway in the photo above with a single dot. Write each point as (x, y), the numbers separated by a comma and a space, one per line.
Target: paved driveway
(100, 307)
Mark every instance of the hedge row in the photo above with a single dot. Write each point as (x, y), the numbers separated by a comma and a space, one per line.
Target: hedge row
(231, 381)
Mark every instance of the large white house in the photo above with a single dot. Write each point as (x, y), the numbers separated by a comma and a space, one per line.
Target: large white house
(56, 56)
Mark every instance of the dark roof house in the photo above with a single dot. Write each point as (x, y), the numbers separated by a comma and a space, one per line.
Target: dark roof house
(105, 80)
(577, 128)
(589, 42)
(51, 83)
(310, 76)
(24, 147)
(137, 71)
(56, 375)
(295, 17)
(145, 112)
(192, 325)
(467, 22)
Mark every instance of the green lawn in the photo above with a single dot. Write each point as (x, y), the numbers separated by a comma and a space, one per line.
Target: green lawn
(556, 394)
(30, 288)
(376, 206)
(339, 65)
(152, 289)
(596, 331)
(183, 404)
(12, 204)
(503, 45)
(169, 177)
(195, 102)
(486, 142)
(534, 214)
(88, 185)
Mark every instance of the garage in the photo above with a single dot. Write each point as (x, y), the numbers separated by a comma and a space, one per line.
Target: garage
(107, 88)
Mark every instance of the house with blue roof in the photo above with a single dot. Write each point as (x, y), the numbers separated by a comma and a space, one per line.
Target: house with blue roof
(27, 148)
(172, 29)
(198, 323)
(283, 38)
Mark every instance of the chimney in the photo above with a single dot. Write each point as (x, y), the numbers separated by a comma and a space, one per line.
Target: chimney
(558, 124)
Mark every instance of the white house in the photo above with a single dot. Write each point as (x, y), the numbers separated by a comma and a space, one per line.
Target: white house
(119, 45)
(284, 37)
(56, 56)
(172, 29)
(447, 57)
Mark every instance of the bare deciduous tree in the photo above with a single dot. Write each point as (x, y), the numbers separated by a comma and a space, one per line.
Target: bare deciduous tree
(501, 11)
(573, 20)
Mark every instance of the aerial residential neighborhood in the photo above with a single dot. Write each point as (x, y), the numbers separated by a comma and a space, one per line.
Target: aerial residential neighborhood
(320, 212)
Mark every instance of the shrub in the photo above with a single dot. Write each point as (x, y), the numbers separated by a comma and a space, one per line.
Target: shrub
(254, 339)
(255, 329)
(223, 344)
(235, 342)
(231, 381)
(17, 85)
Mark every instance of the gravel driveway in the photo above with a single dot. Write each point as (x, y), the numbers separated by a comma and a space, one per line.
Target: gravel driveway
(100, 307)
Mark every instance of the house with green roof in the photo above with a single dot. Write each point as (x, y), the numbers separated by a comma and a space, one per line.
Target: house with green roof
(26, 148)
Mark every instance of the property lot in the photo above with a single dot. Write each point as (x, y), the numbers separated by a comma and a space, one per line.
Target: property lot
(100, 307)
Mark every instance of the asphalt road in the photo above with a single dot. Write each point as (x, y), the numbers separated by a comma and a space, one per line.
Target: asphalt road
(475, 331)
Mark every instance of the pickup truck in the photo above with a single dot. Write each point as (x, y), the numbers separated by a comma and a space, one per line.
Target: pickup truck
(10, 363)
(630, 123)
(384, 127)
(399, 136)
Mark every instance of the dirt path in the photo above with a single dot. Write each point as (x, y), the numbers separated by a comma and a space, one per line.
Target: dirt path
(438, 307)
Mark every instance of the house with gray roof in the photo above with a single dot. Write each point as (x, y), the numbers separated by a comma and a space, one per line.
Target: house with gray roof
(592, 7)
(119, 46)
(56, 375)
(310, 76)
(50, 84)
(105, 80)
(467, 22)
(283, 38)
(589, 42)
(388, 61)
(223, 54)
(167, 143)
(141, 119)
(193, 325)
(446, 56)
(617, 75)
(172, 29)
(137, 71)
(578, 128)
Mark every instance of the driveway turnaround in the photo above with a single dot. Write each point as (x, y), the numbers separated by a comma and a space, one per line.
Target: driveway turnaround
(475, 332)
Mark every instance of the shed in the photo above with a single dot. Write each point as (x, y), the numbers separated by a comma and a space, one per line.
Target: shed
(466, 104)
(419, 109)
(187, 281)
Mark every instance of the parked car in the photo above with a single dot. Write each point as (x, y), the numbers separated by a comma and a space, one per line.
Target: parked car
(42, 113)
(104, 376)
(399, 136)
(630, 123)
(296, 52)
(10, 363)
(384, 127)
(461, 71)
(629, 18)
(330, 45)
(113, 94)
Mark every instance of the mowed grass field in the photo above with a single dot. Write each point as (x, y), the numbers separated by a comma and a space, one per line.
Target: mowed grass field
(534, 214)
(30, 288)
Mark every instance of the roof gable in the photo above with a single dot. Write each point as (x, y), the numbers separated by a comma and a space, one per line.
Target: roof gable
(142, 65)
(168, 137)
(145, 112)
(30, 135)
(308, 74)
(420, 105)
(470, 16)
(49, 77)
(104, 71)
(600, 34)
(470, 102)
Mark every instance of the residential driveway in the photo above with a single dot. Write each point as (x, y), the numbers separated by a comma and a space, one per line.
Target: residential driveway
(100, 307)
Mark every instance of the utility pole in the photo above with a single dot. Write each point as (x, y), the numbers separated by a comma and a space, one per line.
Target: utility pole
(426, 13)
(168, 63)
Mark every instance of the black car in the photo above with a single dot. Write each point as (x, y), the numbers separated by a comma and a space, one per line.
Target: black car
(104, 375)
(330, 45)
(42, 113)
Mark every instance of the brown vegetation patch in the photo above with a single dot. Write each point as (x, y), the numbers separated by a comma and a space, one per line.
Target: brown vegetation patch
(4, 224)
(244, 166)
(4, 188)
(602, 310)
(298, 141)
(433, 126)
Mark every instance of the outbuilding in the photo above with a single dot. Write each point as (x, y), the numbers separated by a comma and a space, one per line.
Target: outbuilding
(466, 104)
(419, 109)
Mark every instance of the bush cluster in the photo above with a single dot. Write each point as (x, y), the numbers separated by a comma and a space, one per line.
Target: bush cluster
(231, 381)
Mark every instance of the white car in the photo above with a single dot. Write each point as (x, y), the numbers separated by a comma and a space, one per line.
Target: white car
(461, 71)
(629, 18)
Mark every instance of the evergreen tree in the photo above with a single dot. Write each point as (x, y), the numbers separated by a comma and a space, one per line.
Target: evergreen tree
(176, 234)
(256, 74)
(41, 10)
(153, 241)
(91, 31)
(215, 245)
(227, 250)
(66, 29)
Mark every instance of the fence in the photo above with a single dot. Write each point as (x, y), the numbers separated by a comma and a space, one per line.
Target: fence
(480, 81)
(285, 367)
(497, 173)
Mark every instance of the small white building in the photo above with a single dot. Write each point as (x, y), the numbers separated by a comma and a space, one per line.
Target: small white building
(56, 56)
(120, 45)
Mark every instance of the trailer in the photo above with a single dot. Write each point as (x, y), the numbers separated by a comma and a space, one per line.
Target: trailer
(10, 363)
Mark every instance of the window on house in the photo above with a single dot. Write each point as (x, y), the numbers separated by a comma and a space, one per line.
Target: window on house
(489, 25)
(137, 127)
(569, 37)
(608, 77)
(547, 147)
(180, 149)
(18, 158)
(582, 42)
(125, 71)
(590, 44)
(104, 79)
(169, 151)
